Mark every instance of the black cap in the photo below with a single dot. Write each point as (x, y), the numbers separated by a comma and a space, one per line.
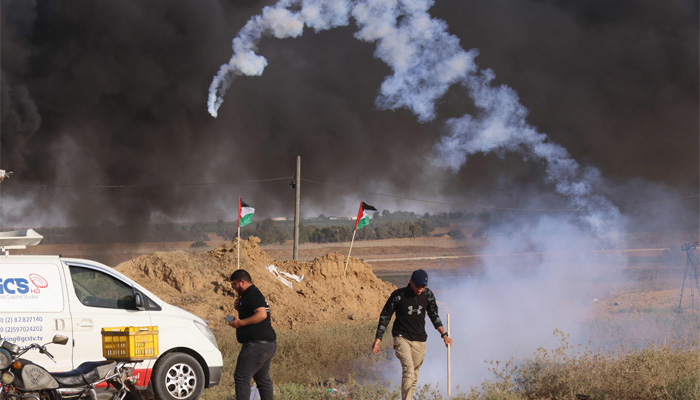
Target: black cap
(419, 278)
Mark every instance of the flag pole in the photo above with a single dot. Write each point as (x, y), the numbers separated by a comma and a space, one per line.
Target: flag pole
(449, 369)
(238, 243)
(348, 259)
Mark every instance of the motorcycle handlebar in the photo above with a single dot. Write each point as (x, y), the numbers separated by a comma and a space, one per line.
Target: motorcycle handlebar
(43, 350)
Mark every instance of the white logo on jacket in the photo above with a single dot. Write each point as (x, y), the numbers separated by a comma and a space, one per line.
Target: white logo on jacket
(411, 310)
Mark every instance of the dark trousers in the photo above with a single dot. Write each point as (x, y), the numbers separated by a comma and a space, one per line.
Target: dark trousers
(254, 362)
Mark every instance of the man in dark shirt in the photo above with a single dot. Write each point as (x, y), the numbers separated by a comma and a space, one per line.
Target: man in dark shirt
(255, 333)
(410, 304)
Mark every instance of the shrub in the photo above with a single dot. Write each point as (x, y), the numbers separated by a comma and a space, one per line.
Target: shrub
(653, 372)
(455, 234)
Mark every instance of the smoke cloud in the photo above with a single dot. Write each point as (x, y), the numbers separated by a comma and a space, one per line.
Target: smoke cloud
(130, 104)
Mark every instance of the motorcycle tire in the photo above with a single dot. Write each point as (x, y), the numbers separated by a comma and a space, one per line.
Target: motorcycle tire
(177, 376)
(48, 395)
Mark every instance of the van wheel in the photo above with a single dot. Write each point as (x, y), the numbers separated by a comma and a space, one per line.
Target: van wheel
(177, 376)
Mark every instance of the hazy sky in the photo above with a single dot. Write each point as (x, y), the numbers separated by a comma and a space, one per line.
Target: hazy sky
(114, 93)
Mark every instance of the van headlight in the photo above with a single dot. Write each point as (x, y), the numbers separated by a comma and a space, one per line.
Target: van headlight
(207, 332)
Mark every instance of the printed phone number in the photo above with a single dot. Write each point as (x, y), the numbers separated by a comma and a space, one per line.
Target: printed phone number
(18, 320)
(17, 329)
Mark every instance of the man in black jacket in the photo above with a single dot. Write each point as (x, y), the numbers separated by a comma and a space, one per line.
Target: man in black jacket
(410, 304)
(255, 333)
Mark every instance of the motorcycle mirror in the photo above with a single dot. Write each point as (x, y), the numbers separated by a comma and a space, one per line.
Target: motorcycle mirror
(60, 339)
(11, 347)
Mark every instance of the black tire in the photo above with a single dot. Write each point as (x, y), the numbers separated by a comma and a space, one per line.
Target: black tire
(177, 376)
(45, 395)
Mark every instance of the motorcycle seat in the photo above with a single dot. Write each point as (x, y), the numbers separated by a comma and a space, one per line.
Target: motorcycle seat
(86, 373)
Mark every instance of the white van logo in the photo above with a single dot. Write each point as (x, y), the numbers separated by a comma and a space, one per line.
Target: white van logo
(39, 282)
(14, 285)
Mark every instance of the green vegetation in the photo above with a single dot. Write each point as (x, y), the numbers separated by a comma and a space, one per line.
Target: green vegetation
(322, 229)
(268, 231)
(378, 230)
(199, 243)
(455, 234)
(334, 362)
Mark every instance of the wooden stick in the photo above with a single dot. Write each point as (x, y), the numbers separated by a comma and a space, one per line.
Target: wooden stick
(238, 243)
(348, 259)
(449, 369)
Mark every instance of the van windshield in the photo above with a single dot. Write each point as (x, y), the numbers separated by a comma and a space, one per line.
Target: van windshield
(97, 289)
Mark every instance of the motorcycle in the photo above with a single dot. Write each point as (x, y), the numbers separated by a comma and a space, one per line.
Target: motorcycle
(22, 379)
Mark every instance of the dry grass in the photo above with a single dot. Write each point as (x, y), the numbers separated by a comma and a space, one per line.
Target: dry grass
(670, 371)
(329, 362)
(310, 362)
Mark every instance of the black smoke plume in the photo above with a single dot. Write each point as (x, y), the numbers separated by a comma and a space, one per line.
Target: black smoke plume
(114, 93)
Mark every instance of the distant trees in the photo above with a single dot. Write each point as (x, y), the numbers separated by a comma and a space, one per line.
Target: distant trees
(455, 234)
(384, 225)
(377, 230)
(328, 234)
(267, 230)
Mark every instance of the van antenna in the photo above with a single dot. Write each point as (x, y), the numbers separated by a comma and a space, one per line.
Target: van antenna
(17, 240)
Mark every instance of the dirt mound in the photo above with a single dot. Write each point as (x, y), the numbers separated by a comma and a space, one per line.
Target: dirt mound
(198, 282)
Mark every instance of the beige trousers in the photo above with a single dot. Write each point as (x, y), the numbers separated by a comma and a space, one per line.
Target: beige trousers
(410, 354)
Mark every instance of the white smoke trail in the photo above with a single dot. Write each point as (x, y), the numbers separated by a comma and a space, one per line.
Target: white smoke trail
(426, 60)
(277, 21)
(502, 127)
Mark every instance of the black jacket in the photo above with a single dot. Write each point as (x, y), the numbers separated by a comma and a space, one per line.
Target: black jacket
(410, 313)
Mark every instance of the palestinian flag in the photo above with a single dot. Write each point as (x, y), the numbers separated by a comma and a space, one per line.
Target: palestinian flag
(363, 215)
(245, 213)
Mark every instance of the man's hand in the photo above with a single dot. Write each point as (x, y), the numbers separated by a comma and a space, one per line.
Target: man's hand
(375, 346)
(448, 340)
(258, 316)
(444, 336)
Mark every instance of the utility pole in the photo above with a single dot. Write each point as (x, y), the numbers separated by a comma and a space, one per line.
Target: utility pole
(296, 209)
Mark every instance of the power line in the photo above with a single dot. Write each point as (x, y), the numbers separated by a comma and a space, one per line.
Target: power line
(491, 208)
(663, 201)
(150, 185)
(478, 207)
(346, 187)
(383, 194)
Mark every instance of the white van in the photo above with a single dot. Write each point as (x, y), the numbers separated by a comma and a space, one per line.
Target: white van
(42, 296)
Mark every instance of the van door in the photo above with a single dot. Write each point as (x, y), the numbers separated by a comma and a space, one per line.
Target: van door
(33, 308)
(99, 299)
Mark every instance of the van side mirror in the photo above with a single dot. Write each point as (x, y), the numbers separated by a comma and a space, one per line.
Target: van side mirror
(60, 339)
(138, 301)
